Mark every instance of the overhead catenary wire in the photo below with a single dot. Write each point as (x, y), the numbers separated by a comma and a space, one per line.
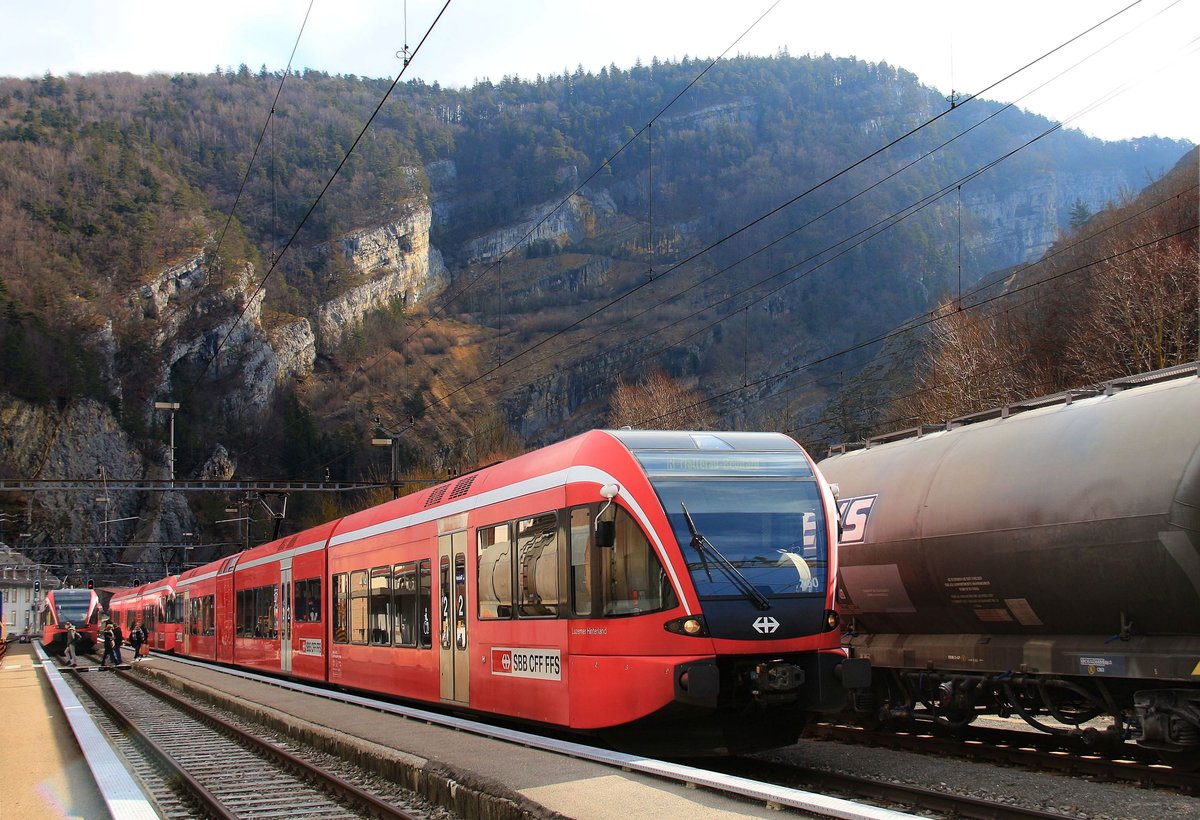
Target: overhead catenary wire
(295, 233)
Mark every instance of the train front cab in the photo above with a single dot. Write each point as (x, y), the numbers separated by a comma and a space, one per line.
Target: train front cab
(79, 607)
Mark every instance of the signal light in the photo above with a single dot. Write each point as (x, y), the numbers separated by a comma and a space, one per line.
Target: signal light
(91, 584)
(37, 587)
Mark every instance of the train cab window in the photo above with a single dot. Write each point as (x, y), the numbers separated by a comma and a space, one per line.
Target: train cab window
(341, 608)
(581, 586)
(625, 579)
(359, 622)
(495, 572)
(537, 565)
(307, 606)
(379, 607)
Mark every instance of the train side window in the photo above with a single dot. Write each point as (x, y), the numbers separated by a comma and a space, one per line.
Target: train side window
(307, 606)
(241, 612)
(341, 607)
(358, 607)
(425, 597)
(381, 606)
(581, 560)
(495, 572)
(404, 582)
(632, 576)
(537, 565)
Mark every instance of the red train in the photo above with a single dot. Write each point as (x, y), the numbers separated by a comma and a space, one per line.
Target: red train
(664, 591)
(79, 607)
(156, 607)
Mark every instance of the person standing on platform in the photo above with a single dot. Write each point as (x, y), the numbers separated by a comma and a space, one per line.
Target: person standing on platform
(106, 635)
(118, 639)
(137, 637)
(69, 652)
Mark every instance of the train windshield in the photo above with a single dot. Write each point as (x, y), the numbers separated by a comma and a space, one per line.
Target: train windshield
(758, 530)
(72, 605)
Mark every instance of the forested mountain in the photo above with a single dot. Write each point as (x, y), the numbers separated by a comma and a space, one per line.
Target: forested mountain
(489, 264)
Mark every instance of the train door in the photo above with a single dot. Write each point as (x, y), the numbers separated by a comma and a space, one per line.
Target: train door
(285, 612)
(452, 609)
(185, 620)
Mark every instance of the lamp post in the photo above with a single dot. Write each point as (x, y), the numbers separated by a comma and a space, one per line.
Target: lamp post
(171, 406)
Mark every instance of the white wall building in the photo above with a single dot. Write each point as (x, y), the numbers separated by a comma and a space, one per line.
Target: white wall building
(20, 600)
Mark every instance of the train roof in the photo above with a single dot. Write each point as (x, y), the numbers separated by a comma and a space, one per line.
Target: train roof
(1178, 373)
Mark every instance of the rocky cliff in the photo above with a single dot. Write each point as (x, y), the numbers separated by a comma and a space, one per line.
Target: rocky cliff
(399, 264)
(1024, 222)
(578, 219)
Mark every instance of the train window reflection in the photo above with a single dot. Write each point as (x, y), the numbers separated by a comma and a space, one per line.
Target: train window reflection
(495, 572)
(380, 604)
(358, 607)
(537, 565)
(406, 611)
(581, 571)
(341, 608)
(632, 576)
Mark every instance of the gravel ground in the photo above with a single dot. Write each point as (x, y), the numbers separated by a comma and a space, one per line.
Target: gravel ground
(1074, 797)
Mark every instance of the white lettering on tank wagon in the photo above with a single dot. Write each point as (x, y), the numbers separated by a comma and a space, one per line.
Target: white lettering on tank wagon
(540, 664)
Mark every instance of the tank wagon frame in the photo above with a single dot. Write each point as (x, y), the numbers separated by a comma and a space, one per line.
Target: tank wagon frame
(1039, 560)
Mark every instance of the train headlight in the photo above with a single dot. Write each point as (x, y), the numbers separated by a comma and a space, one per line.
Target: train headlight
(832, 620)
(692, 625)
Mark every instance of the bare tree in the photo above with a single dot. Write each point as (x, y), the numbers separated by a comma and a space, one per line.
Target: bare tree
(658, 402)
(976, 360)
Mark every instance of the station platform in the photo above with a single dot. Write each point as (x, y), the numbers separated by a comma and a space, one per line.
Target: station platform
(43, 773)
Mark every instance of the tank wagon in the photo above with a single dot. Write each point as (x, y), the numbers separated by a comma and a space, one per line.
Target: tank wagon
(1042, 560)
(660, 591)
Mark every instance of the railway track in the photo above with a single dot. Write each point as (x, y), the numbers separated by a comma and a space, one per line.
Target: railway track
(193, 761)
(885, 793)
(1027, 750)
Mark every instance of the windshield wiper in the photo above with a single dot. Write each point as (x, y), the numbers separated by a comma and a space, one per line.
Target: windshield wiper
(703, 546)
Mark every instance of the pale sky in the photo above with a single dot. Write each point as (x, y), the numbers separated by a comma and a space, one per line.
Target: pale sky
(1149, 56)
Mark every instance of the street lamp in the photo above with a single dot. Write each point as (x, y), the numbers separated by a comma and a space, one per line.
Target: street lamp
(171, 406)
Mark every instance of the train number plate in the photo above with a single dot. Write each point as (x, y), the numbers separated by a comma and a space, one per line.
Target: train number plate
(542, 664)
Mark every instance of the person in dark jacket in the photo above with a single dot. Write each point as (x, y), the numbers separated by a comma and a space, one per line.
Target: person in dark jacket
(137, 637)
(106, 635)
(118, 640)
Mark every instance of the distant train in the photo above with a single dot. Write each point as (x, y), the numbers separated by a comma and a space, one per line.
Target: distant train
(156, 607)
(1041, 560)
(78, 607)
(663, 591)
